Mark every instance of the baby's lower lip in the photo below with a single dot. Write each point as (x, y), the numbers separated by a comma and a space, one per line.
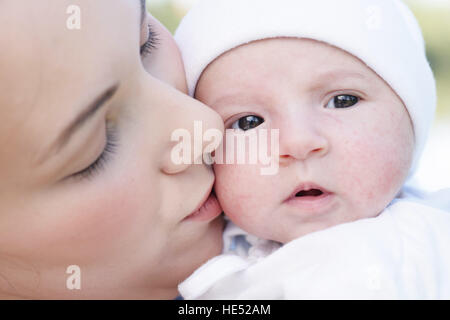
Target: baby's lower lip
(312, 204)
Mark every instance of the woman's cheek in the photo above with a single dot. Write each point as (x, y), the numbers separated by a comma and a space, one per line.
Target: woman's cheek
(101, 219)
(110, 214)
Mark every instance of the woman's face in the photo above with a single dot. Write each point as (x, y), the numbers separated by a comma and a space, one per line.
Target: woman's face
(86, 176)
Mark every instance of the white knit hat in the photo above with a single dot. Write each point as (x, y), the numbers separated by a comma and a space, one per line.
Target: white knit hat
(382, 33)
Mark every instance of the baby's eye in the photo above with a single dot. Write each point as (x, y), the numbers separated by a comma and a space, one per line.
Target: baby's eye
(343, 101)
(247, 123)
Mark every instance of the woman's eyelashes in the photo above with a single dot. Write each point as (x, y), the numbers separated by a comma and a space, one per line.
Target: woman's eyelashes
(342, 101)
(111, 141)
(99, 163)
(247, 123)
(151, 43)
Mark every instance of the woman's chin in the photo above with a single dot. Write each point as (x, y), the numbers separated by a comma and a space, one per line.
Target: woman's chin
(209, 244)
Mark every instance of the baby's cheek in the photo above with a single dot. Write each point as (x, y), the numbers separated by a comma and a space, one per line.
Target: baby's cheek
(239, 192)
(230, 189)
(376, 163)
(392, 150)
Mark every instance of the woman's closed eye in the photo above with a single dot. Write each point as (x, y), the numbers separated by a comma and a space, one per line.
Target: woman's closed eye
(343, 101)
(247, 123)
(105, 156)
(111, 138)
(151, 43)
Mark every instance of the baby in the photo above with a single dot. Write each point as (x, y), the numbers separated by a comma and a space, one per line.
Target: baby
(348, 87)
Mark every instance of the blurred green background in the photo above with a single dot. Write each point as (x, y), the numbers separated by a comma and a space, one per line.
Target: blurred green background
(433, 16)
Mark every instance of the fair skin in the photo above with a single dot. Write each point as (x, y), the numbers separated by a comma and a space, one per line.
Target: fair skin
(125, 222)
(336, 164)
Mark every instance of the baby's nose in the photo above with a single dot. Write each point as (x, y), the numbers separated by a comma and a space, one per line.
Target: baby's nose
(301, 142)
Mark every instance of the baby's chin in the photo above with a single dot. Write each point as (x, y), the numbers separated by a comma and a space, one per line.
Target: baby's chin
(305, 230)
(292, 228)
(295, 233)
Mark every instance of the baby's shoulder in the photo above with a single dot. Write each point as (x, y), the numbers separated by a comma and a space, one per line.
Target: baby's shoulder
(429, 212)
(437, 199)
(405, 249)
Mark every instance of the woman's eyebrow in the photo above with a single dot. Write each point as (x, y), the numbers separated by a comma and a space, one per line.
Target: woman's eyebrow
(64, 138)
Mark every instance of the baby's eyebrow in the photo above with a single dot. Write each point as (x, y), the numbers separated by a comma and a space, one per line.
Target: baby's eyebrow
(240, 98)
(339, 74)
(336, 76)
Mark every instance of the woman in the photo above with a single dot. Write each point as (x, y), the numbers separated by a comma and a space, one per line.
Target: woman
(86, 176)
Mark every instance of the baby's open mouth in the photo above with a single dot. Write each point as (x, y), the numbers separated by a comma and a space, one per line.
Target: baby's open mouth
(311, 198)
(309, 193)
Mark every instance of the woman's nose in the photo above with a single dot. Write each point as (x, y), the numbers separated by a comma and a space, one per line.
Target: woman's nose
(301, 140)
(197, 133)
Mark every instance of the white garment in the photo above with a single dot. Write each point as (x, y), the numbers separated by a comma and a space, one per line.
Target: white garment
(404, 253)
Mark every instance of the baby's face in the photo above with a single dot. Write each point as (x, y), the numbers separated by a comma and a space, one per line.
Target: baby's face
(346, 139)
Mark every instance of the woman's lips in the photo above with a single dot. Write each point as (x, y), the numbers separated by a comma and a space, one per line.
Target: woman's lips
(208, 209)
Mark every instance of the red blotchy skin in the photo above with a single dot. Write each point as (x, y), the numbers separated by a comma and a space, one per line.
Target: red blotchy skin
(361, 154)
